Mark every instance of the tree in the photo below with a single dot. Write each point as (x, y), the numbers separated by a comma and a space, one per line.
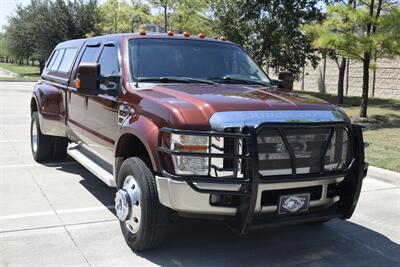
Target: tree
(121, 16)
(190, 15)
(37, 28)
(4, 48)
(361, 33)
(270, 30)
(184, 15)
(313, 31)
(165, 5)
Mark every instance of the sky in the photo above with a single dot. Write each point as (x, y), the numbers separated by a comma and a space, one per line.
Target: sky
(7, 7)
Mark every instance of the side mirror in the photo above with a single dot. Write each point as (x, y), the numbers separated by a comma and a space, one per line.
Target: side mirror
(286, 80)
(88, 82)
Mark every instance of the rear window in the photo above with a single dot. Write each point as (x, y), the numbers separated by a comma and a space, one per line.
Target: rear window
(57, 60)
(67, 59)
(52, 59)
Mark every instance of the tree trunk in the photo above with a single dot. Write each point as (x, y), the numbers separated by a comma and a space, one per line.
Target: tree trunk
(342, 71)
(365, 85)
(165, 18)
(41, 65)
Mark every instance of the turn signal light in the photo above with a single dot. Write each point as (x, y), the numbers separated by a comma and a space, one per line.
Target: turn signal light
(201, 35)
(191, 148)
(170, 33)
(186, 34)
(142, 32)
(77, 83)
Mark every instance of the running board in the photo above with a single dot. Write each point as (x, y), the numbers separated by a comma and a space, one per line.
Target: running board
(83, 156)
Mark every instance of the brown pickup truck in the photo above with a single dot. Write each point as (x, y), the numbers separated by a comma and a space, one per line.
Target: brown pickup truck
(188, 125)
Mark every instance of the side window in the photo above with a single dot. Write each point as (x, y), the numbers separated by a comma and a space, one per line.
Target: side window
(52, 59)
(90, 54)
(108, 61)
(67, 60)
(57, 60)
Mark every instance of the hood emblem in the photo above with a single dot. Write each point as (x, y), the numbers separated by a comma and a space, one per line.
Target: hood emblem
(295, 145)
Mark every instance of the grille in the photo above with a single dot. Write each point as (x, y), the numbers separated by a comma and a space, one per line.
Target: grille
(307, 145)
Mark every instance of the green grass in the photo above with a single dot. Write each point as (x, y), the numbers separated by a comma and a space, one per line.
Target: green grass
(383, 134)
(28, 72)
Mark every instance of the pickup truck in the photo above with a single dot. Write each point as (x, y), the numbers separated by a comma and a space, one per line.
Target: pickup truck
(191, 126)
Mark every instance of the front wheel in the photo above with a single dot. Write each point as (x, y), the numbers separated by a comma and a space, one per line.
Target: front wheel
(143, 219)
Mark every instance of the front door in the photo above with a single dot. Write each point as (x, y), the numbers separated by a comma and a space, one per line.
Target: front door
(102, 110)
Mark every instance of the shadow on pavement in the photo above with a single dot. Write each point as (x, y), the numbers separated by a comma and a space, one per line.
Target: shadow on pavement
(210, 243)
(336, 243)
(90, 182)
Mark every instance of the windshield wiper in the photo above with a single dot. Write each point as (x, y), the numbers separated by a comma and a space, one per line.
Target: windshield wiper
(168, 79)
(230, 79)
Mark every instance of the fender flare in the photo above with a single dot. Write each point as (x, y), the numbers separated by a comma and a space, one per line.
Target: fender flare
(146, 131)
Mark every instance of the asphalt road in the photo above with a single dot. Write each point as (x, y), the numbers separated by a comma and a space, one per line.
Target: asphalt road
(60, 214)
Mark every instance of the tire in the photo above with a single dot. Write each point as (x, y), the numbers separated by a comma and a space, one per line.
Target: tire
(47, 147)
(153, 217)
(41, 145)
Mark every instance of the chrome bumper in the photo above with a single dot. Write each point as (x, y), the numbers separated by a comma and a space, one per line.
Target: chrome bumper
(179, 196)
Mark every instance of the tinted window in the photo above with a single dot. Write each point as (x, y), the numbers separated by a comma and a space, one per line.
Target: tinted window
(193, 59)
(109, 61)
(57, 60)
(52, 59)
(67, 60)
(90, 54)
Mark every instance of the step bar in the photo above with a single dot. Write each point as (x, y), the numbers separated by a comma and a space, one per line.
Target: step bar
(92, 163)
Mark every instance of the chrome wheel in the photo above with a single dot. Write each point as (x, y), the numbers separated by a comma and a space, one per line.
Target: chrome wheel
(34, 136)
(128, 204)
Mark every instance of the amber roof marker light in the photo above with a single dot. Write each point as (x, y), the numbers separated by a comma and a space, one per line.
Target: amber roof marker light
(186, 34)
(201, 35)
(142, 32)
(170, 33)
(222, 38)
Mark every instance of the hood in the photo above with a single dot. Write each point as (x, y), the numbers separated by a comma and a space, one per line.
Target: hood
(197, 103)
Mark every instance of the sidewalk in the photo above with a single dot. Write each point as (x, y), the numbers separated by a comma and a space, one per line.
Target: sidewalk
(6, 74)
(384, 175)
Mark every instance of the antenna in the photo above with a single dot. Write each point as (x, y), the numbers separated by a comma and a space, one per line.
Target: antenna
(137, 66)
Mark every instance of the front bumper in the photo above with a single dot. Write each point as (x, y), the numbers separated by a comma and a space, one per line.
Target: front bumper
(192, 194)
(180, 197)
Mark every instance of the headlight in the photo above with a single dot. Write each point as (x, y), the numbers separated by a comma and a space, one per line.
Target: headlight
(188, 164)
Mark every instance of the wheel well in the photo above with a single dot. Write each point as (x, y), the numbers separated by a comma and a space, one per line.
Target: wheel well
(33, 105)
(131, 146)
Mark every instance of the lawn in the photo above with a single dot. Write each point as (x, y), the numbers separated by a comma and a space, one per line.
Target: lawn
(383, 132)
(30, 73)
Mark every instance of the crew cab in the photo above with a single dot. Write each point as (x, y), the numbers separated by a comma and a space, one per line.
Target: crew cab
(191, 126)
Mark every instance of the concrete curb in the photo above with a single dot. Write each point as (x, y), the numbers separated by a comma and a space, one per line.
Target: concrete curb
(11, 73)
(19, 81)
(385, 175)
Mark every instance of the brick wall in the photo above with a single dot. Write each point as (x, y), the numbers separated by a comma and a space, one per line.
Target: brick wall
(386, 84)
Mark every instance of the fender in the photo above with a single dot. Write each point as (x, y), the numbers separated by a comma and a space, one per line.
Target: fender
(146, 131)
(51, 108)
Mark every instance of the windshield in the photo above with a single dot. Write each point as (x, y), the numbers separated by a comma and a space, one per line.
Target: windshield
(155, 59)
